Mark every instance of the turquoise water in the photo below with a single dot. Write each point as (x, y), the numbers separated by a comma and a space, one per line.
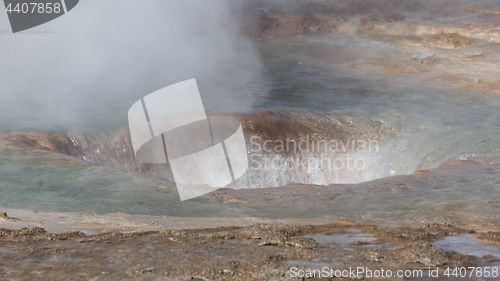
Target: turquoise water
(62, 185)
(431, 126)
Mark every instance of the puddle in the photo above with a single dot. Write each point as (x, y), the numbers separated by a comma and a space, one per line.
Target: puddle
(465, 244)
(341, 238)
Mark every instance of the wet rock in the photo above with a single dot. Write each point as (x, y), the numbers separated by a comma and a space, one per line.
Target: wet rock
(310, 23)
(221, 253)
(448, 41)
(117, 152)
(483, 9)
(422, 172)
(22, 233)
(377, 22)
(294, 17)
(432, 60)
(4, 215)
(385, 17)
(489, 237)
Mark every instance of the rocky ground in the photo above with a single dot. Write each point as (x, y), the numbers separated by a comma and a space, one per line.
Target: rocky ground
(457, 43)
(255, 252)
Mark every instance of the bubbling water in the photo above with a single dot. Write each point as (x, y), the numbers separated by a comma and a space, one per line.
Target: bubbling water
(416, 127)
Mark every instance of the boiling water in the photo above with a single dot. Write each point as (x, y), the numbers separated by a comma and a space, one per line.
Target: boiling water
(430, 127)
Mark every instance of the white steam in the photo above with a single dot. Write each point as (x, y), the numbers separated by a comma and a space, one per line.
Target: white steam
(84, 69)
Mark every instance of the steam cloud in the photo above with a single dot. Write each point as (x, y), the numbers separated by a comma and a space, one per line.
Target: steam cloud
(84, 69)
